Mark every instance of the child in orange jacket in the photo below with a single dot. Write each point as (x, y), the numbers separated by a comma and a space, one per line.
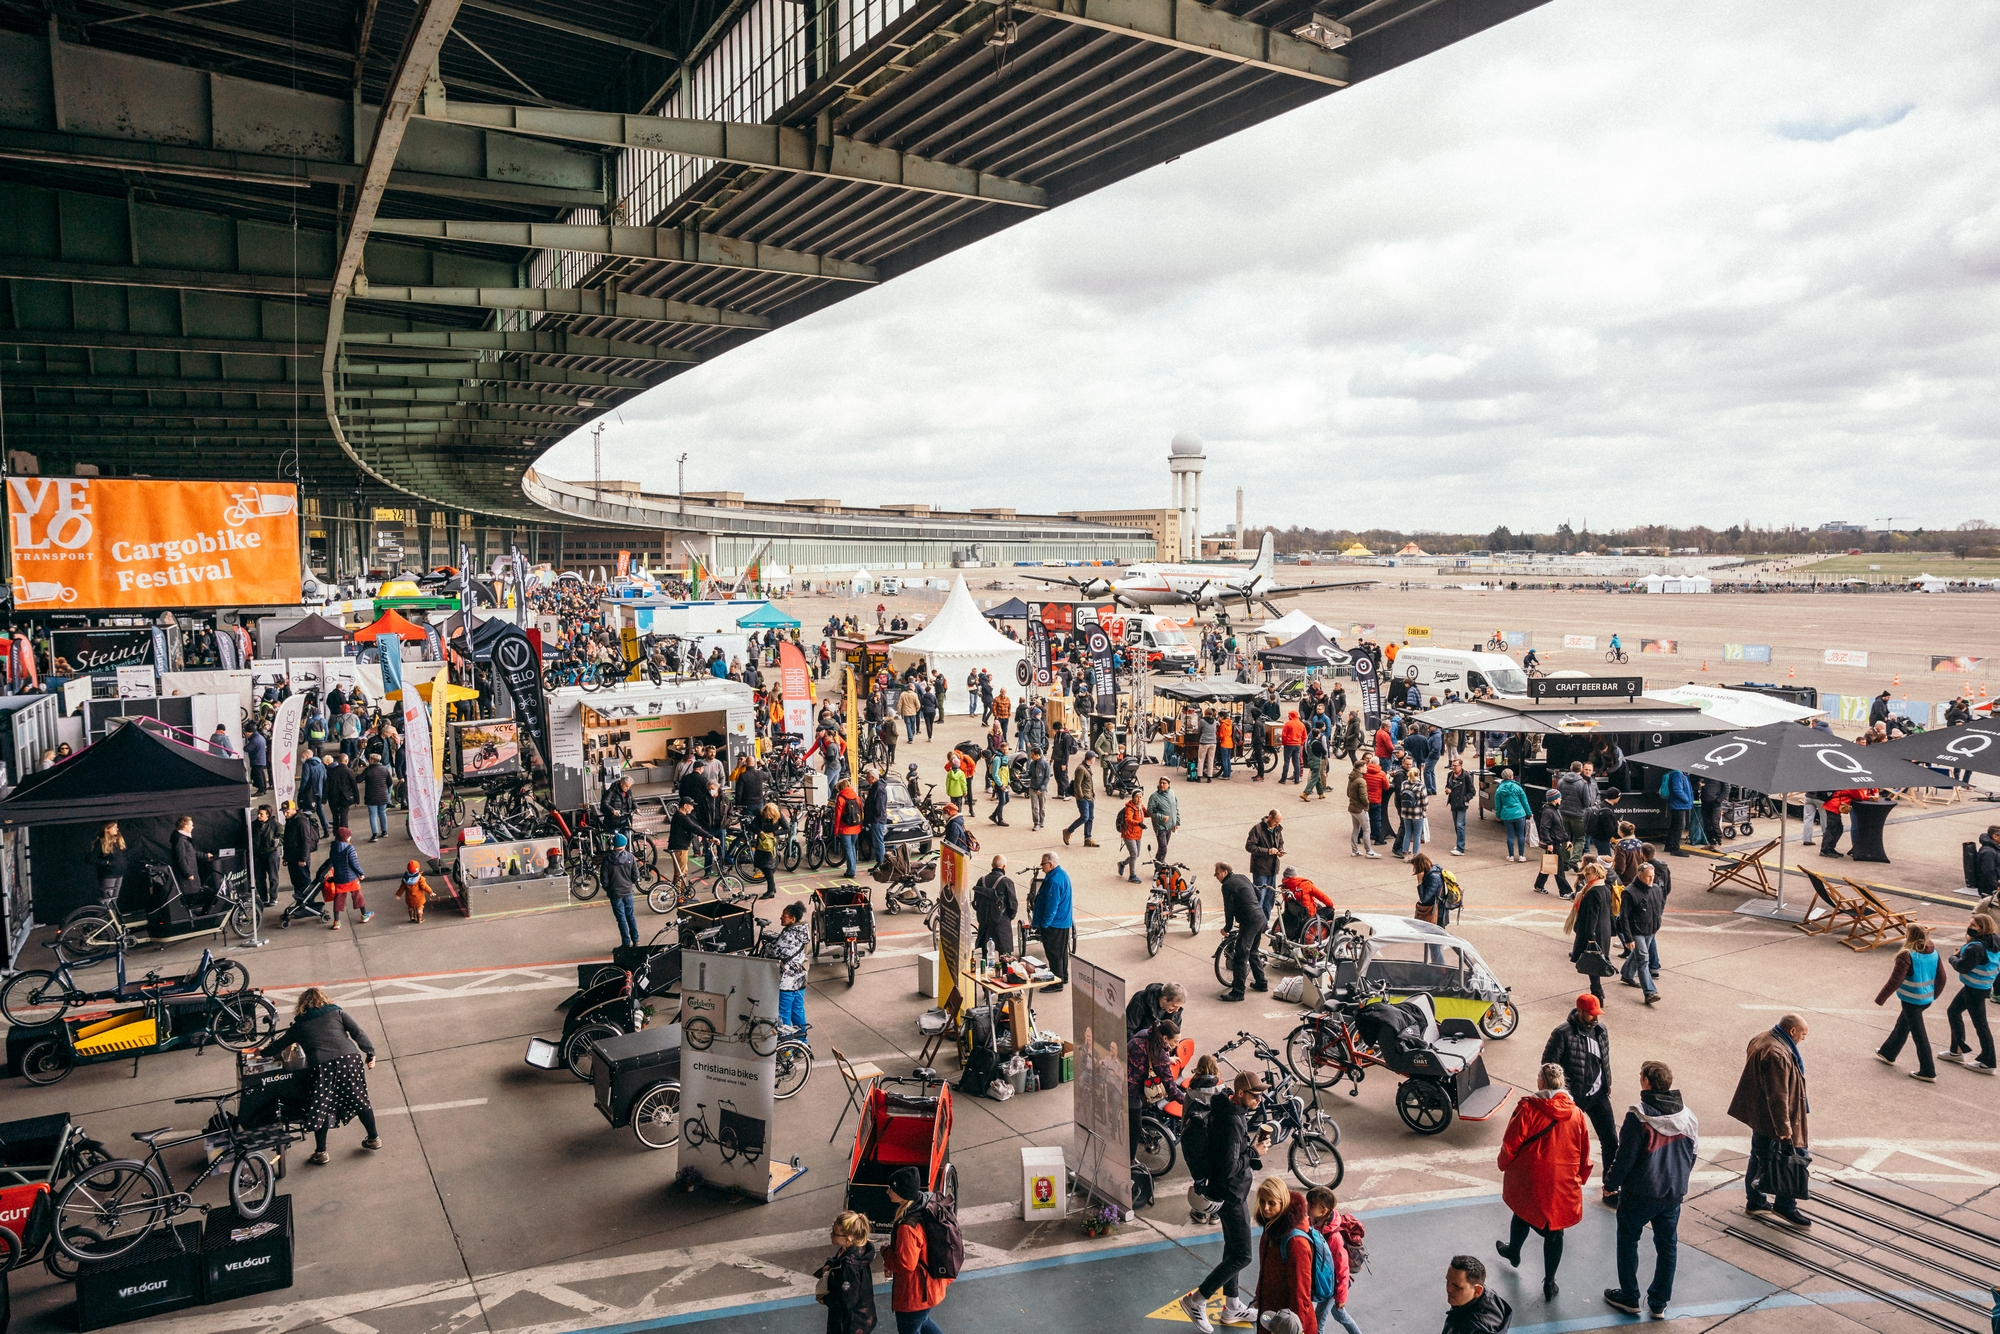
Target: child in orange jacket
(414, 891)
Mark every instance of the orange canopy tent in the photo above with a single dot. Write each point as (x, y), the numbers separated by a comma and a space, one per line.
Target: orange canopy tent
(392, 623)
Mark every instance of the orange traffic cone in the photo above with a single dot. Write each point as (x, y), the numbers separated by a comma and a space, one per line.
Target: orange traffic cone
(1791, 673)
(1982, 690)
(1896, 680)
(1704, 664)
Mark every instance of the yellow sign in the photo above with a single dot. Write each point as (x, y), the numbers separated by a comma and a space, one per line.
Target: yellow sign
(1416, 632)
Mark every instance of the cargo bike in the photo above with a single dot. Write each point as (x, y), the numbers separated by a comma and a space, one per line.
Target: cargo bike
(843, 919)
(239, 1021)
(901, 1129)
(37, 1156)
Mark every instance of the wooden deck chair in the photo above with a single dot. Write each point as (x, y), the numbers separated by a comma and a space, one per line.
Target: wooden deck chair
(1875, 923)
(934, 1044)
(1830, 907)
(858, 1076)
(1747, 870)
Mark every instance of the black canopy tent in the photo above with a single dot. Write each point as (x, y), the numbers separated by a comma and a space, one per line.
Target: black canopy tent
(314, 629)
(145, 781)
(1013, 609)
(1311, 649)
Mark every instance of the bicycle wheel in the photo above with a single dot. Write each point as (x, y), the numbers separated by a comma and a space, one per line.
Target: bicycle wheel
(110, 1210)
(1499, 1021)
(795, 851)
(727, 888)
(763, 1036)
(242, 1021)
(60, 1263)
(648, 877)
(1315, 1161)
(815, 853)
(795, 1067)
(663, 897)
(582, 882)
(87, 940)
(242, 920)
(1194, 915)
(1223, 973)
(226, 977)
(644, 849)
(47, 1062)
(656, 1119)
(1156, 929)
(697, 1130)
(1299, 1055)
(251, 1184)
(1156, 1150)
(33, 998)
(576, 1049)
(698, 1033)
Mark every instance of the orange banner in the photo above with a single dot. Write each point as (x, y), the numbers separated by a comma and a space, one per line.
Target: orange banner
(86, 542)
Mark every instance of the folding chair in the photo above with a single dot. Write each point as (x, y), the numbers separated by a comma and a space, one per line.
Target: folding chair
(857, 1077)
(1874, 920)
(1829, 908)
(1747, 870)
(934, 1043)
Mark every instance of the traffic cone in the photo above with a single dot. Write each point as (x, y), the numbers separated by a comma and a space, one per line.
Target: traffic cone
(1896, 680)
(1704, 664)
(1982, 690)
(1791, 673)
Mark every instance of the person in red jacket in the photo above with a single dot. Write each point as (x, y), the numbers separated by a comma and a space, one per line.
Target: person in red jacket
(1285, 1258)
(847, 821)
(1545, 1159)
(1832, 809)
(1378, 787)
(1292, 737)
(913, 1293)
(1309, 895)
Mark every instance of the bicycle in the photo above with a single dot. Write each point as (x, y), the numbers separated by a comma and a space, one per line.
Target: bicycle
(1314, 1157)
(695, 1129)
(94, 933)
(1170, 896)
(762, 1034)
(1617, 655)
(1497, 643)
(110, 1209)
(36, 997)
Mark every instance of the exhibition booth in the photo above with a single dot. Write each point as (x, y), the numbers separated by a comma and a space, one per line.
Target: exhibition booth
(639, 730)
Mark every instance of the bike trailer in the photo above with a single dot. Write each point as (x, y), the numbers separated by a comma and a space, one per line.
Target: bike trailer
(839, 907)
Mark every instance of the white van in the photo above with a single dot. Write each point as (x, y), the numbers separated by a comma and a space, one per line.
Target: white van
(1166, 644)
(1440, 669)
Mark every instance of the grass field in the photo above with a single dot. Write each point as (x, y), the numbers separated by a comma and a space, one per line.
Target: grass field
(1903, 565)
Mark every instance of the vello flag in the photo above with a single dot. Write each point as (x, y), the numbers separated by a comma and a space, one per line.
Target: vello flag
(285, 748)
(419, 775)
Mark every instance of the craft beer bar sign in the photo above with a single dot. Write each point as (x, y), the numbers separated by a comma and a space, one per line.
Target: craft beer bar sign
(1586, 688)
(88, 542)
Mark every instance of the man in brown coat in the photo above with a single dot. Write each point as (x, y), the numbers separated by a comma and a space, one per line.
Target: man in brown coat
(1771, 1100)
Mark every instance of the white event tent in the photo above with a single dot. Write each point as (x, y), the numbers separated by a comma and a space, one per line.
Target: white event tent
(959, 641)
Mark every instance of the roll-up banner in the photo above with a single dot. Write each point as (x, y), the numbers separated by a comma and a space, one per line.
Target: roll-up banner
(1038, 649)
(795, 681)
(225, 649)
(83, 542)
(422, 778)
(1097, 1017)
(515, 659)
(285, 726)
(729, 1086)
(1369, 688)
(1103, 680)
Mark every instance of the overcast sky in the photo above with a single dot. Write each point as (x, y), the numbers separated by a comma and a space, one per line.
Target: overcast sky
(1623, 262)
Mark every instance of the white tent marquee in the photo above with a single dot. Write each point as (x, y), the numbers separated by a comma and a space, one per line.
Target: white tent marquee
(1288, 627)
(959, 641)
(1669, 583)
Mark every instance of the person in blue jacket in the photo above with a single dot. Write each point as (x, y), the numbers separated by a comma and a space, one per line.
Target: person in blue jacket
(1512, 807)
(1674, 786)
(1049, 909)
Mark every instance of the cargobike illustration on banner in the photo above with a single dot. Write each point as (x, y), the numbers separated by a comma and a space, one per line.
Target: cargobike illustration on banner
(82, 542)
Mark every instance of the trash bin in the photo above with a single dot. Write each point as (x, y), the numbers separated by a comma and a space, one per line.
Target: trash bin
(1047, 1058)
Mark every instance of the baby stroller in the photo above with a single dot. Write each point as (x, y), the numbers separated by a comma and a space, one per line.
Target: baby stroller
(308, 902)
(1121, 776)
(903, 878)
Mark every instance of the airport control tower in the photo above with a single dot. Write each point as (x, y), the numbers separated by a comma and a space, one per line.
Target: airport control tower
(1185, 462)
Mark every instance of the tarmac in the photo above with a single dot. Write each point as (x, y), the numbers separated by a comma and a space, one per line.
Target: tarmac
(501, 1201)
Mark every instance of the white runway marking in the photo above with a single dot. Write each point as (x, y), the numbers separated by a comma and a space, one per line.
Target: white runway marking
(430, 1107)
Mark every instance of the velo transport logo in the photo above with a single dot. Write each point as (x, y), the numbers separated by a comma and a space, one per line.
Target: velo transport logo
(93, 542)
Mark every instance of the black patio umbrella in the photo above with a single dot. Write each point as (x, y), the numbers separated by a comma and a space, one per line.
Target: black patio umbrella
(1785, 757)
(1975, 746)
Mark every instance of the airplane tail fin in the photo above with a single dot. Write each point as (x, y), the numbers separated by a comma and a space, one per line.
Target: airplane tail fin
(1265, 552)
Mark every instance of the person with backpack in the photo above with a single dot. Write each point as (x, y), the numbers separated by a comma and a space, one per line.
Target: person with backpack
(995, 906)
(1323, 1209)
(924, 1255)
(1544, 1159)
(1227, 1158)
(846, 821)
(1317, 750)
(1433, 903)
(1291, 1258)
(1977, 963)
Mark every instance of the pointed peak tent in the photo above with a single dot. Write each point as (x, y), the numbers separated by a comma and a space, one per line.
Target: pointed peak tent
(1311, 649)
(314, 629)
(392, 623)
(958, 641)
(134, 772)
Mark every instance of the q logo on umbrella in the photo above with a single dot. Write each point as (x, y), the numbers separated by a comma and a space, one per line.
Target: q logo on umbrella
(1976, 743)
(1735, 750)
(1842, 763)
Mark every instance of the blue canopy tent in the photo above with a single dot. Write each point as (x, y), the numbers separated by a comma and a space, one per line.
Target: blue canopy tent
(768, 617)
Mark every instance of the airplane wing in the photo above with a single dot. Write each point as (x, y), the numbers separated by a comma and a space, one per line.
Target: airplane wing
(1293, 590)
(1068, 580)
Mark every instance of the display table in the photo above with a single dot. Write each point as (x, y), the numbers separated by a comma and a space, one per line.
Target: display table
(1868, 818)
(1016, 999)
(501, 879)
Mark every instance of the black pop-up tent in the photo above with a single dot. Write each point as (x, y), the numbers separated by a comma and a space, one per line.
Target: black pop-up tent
(1013, 609)
(1311, 649)
(145, 781)
(314, 637)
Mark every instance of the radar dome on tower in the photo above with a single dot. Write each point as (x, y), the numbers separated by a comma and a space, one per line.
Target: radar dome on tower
(1185, 461)
(1186, 444)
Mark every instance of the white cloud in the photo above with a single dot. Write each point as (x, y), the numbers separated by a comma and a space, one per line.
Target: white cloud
(1691, 263)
